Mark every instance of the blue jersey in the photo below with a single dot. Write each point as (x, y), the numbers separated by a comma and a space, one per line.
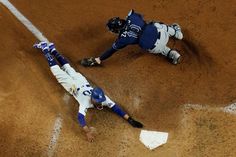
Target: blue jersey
(131, 32)
(135, 31)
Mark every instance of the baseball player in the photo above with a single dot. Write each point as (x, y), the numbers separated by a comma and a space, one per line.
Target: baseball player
(152, 36)
(77, 85)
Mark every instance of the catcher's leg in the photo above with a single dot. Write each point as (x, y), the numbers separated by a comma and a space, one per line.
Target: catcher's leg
(171, 54)
(173, 30)
(161, 48)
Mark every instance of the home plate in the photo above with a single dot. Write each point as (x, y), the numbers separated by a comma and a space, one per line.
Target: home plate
(153, 139)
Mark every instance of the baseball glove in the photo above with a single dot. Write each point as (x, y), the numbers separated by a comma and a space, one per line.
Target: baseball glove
(134, 123)
(88, 62)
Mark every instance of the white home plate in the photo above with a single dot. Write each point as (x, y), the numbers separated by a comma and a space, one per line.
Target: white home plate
(153, 139)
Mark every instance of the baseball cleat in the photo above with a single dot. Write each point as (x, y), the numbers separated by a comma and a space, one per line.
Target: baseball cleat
(51, 47)
(178, 33)
(40, 45)
(178, 60)
(174, 56)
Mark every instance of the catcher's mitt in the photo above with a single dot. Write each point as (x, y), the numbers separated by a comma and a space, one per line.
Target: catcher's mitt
(87, 62)
(135, 123)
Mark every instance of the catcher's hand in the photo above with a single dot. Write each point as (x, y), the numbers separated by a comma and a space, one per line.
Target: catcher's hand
(135, 123)
(87, 62)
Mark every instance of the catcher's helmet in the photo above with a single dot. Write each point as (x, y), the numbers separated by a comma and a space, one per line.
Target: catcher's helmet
(98, 95)
(115, 24)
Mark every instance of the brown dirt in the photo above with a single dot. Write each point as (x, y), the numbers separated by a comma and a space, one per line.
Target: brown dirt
(147, 86)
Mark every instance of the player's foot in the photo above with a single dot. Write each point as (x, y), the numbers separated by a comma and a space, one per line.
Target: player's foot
(40, 45)
(174, 56)
(51, 47)
(178, 34)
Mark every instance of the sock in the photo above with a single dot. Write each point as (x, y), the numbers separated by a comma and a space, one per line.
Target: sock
(59, 57)
(50, 59)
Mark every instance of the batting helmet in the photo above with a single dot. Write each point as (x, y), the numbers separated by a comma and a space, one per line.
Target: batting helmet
(98, 95)
(115, 24)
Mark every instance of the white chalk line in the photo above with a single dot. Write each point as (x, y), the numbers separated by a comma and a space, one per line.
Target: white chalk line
(40, 37)
(230, 109)
(24, 20)
(56, 132)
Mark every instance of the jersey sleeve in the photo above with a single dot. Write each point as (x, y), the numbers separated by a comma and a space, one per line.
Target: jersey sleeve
(107, 54)
(120, 42)
(82, 110)
(108, 102)
(83, 106)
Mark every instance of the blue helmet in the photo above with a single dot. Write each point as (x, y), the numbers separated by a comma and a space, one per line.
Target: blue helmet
(98, 95)
(115, 24)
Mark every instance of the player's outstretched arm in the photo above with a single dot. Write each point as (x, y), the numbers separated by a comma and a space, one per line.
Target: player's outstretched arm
(89, 62)
(133, 122)
(116, 108)
(89, 131)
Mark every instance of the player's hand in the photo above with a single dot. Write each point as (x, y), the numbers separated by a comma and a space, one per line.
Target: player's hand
(90, 133)
(90, 136)
(134, 123)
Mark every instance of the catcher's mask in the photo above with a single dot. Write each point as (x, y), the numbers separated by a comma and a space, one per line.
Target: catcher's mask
(98, 97)
(115, 24)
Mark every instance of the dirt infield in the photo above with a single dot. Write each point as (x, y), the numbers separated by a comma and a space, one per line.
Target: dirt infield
(147, 86)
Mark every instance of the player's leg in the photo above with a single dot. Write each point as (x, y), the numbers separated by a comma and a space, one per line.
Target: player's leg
(43, 46)
(171, 54)
(61, 59)
(62, 77)
(173, 30)
(79, 78)
(161, 48)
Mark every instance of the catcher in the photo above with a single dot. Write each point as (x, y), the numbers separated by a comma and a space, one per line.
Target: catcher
(152, 37)
(78, 86)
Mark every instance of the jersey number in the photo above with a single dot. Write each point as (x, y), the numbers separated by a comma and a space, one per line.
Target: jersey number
(124, 34)
(87, 92)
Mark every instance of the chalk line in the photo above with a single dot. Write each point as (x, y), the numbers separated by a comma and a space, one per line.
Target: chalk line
(24, 20)
(56, 132)
(231, 109)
